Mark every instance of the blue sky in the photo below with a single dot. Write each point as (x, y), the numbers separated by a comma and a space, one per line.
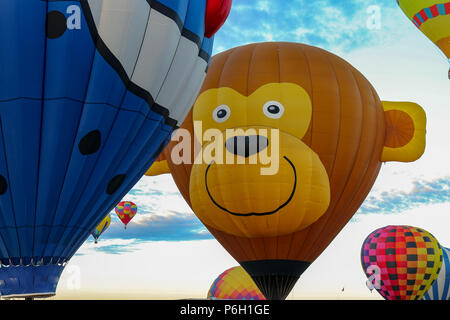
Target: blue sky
(338, 26)
(401, 64)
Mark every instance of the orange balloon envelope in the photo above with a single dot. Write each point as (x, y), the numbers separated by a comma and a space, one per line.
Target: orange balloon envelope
(331, 135)
(126, 210)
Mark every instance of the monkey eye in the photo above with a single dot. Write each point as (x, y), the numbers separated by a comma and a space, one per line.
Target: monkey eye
(273, 109)
(221, 113)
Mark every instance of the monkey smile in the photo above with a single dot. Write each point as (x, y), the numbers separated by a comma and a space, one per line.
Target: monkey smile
(253, 213)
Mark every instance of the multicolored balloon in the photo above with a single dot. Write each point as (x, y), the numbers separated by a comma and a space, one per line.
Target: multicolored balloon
(440, 290)
(126, 211)
(90, 93)
(432, 17)
(235, 284)
(101, 227)
(406, 259)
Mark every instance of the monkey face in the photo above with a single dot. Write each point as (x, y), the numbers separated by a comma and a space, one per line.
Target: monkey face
(263, 180)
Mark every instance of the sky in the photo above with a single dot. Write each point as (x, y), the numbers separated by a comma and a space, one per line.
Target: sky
(166, 253)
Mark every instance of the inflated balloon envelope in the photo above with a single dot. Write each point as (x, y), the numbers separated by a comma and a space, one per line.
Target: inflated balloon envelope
(98, 231)
(334, 134)
(90, 92)
(401, 262)
(234, 284)
(432, 17)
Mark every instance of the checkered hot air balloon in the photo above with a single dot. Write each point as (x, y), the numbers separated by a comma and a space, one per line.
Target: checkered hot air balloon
(126, 211)
(440, 290)
(406, 259)
(90, 92)
(235, 284)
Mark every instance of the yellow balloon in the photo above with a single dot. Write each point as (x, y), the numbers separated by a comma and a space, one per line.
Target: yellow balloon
(101, 227)
(432, 17)
(235, 284)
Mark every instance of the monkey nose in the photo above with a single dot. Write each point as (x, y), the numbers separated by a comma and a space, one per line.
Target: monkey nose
(246, 146)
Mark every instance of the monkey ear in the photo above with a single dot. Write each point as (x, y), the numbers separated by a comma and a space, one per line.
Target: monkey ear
(405, 131)
(158, 167)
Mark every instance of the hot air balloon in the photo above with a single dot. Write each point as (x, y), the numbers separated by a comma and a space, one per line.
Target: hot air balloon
(126, 211)
(307, 113)
(432, 17)
(408, 260)
(440, 290)
(101, 227)
(235, 284)
(90, 92)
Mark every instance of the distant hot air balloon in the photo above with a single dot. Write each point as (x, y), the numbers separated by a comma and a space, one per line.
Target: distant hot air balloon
(90, 92)
(408, 260)
(235, 284)
(126, 211)
(432, 17)
(440, 290)
(101, 227)
(333, 134)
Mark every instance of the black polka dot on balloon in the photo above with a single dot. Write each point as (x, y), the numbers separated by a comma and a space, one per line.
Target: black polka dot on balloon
(3, 185)
(115, 184)
(90, 143)
(56, 24)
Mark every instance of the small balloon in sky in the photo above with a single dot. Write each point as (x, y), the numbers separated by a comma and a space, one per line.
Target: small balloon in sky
(126, 210)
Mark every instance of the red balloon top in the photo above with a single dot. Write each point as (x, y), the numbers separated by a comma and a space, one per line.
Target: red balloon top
(217, 12)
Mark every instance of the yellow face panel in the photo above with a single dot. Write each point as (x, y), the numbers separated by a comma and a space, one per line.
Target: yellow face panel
(238, 198)
(253, 110)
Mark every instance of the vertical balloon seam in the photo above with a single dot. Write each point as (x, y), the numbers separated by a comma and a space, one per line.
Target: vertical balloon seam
(356, 156)
(335, 221)
(329, 218)
(9, 192)
(304, 53)
(365, 177)
(221, 79)
(76, 133)
(142, 43)
(279, 190)
(40, 144)
(446, 289)
(310, 129)
(182, 34)
(98, 156)
(253, 241)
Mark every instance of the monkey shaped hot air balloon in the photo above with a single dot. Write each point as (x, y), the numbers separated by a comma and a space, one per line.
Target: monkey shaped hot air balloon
(440, 290)
(432, 17)
(307, 134)
(90, 92)
(98, 231)
(235, 284)
(407, 260)
(126, 211)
